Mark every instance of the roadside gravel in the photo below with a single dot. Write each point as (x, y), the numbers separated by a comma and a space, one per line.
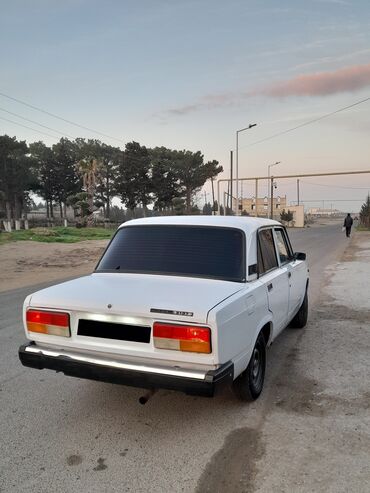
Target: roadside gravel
(317, 435)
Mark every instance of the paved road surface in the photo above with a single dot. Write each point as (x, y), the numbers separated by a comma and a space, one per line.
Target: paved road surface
(64, 434)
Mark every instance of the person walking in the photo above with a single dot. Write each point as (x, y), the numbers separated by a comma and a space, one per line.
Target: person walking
(348, 221)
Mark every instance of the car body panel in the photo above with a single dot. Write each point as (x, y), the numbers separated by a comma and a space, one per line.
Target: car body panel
(235, 312)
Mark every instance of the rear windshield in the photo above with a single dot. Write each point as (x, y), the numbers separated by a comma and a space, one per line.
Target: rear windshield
(194, 251)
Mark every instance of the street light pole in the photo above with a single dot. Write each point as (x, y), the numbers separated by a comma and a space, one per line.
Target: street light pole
(272, 198)
(269, 206)
(237, 163)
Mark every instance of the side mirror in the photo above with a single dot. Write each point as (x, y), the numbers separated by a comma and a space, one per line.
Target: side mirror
(299, 256)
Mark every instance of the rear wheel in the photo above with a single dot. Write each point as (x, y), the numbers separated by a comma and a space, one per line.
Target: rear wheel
(248, 386)
(300, 320)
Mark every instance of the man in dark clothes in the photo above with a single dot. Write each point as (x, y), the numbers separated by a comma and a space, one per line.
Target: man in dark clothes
(348, 221)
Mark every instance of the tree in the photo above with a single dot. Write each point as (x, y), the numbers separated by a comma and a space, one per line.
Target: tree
(67, 180)
(47, 174)
(16, 175)
(110, 158)
(133, 180)
(207, 209)
(88, 169)
(365, 212)
(178, 206)
(192, 174)
(80, 204)
(286, 216)
(165, 186)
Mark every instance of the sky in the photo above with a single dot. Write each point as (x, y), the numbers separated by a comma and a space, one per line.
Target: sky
(189, 74)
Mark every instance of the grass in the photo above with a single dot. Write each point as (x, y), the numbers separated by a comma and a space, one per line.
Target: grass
(57, 235)
(362, 228)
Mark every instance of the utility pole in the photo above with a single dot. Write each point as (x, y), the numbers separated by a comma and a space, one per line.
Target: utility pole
(272, 198)
(231, 180)
(213, 199)
(241, 195)
(298, 191)
(256, 202)
(268, 180)
(251, 125)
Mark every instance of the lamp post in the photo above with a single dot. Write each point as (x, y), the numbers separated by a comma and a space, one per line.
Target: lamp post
(269, 206)
(237, 163)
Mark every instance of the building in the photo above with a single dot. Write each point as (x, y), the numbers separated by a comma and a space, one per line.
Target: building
(263, 206)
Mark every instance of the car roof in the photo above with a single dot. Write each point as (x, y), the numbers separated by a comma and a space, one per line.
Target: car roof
(245, 223)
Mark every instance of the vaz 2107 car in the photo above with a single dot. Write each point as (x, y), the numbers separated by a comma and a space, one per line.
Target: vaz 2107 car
(183, 303)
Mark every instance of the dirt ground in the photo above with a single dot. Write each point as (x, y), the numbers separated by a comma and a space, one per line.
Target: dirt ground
(25, 263)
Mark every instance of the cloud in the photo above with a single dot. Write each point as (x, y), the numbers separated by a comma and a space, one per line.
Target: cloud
(348, 79)
(322, 83)
(334, 2)
(209, 101)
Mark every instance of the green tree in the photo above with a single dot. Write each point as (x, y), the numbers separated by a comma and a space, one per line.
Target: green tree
(179, 207)
(110, 158)
(48, 178)
(192, 174)
(15, 175)
(286, 216)
(365, 212)
(67, 180)
(207, 209)
(88, 169)
(133, 181)
(165, 183)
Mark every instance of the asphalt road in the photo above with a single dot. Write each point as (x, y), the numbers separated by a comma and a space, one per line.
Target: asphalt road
(63, 434)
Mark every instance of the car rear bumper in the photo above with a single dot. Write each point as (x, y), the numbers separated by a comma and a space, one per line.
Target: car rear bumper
(83, 365)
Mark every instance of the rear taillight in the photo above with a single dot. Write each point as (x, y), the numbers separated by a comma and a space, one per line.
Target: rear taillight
(182, 337)
(44, 322)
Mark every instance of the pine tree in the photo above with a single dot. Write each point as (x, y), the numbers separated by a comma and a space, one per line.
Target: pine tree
(365, 213)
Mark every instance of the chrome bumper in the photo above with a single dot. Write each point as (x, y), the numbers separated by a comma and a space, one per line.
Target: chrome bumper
(82, 365)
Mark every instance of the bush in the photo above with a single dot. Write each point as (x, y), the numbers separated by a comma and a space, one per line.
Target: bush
(286, 217)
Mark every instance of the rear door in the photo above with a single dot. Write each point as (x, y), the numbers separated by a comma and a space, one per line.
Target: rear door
(275, 278)
(296, 271)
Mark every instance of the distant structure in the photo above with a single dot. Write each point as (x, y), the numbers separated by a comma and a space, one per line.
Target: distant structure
(263, 205)
(320, 212)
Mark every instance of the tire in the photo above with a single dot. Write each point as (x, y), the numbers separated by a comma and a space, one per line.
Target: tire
(300, 319)
(249, 384)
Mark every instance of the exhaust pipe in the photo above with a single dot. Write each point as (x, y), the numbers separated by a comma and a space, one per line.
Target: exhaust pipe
(144, 398)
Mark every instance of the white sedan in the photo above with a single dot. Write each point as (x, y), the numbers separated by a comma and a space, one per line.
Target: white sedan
(182, 303)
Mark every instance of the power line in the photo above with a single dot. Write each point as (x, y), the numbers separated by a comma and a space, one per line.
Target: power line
(29, 128)
(306, 123)
(59, 117)
(328, 200)
(36, 123)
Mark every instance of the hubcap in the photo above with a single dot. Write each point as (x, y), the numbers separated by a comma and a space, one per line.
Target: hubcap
(256, 363)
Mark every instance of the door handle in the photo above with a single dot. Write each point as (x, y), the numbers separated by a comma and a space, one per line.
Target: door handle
(289, 274)
(269, 286)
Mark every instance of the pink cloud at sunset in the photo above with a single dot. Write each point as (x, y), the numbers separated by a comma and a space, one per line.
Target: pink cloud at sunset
(346, 79)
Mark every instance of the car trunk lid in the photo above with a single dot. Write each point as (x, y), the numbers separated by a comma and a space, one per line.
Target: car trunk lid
(155, 296)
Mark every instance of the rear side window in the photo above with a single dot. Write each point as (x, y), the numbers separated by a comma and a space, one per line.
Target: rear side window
(266, 251)
(194, 251)
(282, 246)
